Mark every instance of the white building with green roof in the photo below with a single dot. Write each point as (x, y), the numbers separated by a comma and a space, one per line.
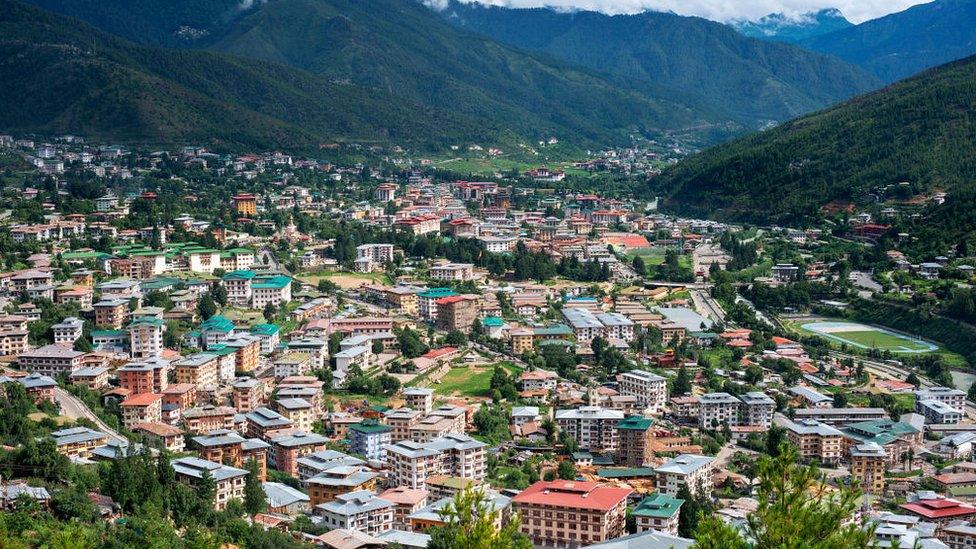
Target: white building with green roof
(658, 512)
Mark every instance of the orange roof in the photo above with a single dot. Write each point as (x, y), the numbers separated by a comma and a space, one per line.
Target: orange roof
(158, 429)
(437, 353)
(142, 399)
(402, 494)
(573, 494)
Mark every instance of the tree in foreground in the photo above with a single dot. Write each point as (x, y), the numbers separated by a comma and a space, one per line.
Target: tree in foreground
(796, 509)
(470, 524)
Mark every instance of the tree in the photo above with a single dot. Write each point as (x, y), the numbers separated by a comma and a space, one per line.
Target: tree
(206, 307)
(254, 498)
(455, 338)
(269, 311)
(377, 347)
(219, 294)
(469, 523)
(775, 438)
(796, 509)
(913, 379)
(567, 471)
(682, 382)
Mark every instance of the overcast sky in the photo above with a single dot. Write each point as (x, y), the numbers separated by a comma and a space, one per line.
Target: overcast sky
(719, 10)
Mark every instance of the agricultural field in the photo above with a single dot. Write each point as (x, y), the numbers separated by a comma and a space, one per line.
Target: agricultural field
(863, 336)
(347, 281)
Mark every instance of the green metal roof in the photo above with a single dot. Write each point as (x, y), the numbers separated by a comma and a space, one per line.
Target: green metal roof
(554, 330)
(108, 333)
(437, 293)
(264, 329)
(239, 275)
(635, 423)
(625, 472)
(277, 282)
(492, 321)
(658, 505)
(369, 427)
(217, 323)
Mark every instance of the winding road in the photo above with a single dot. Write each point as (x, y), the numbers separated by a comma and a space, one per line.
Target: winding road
(74, 408)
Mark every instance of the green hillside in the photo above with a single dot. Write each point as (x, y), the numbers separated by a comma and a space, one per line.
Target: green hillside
(60, 75)
(708, 64)
(922, 130)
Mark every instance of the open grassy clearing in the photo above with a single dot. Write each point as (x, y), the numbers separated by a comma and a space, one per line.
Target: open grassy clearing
(470, 381)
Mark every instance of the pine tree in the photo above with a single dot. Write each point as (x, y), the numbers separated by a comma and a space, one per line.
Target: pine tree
(682, 382)
(469, 522)
(254, 497)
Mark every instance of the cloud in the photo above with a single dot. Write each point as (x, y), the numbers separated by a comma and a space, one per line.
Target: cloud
(716, 10)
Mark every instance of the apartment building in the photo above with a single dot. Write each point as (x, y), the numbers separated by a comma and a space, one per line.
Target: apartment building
(207, 418)
(461, 456)
(452, 272)
(369, 438)
(938, 412)
(247, 394)
(658, 512)
(146, 338)
(51, 360)
(592, 427)
(757, 409)
(229, 480)
(265, 423)
(228, 447)
(401, 421)
(427, 301)
(634, 449)
(200, 369)
(616, 326)
(869, 463)
(161, 436)
(571, 514)
(584, 324)
(650, 389)
(717, 409)
(298, 411)
(689, 470)
(953, 397)
(78, 442)
(287, 449)
(142, 408)
(840, 416)
(68, 331)
(458, 312)
(316, 463)
(336, 481)
(412, 463)
(92, 377)
(275, 290)
(419, 398)
(362, 511)
(815, 440)
(407, 501)
(13, 335)
(150, 376)
(112, 313)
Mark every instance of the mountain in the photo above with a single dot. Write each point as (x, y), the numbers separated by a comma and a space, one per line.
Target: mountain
(783, 28)
(921, 131)
(752, 81)
(404, 49)
(904, 43)
(58, 74)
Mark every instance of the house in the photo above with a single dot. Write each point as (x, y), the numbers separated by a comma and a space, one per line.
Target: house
(685, 470)
(659, 512)
(229, 481)
(284, 500)
(362, 511)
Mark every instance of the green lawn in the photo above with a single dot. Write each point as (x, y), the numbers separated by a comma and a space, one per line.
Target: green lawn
(470, 381)
(880, 340)
(346, 280)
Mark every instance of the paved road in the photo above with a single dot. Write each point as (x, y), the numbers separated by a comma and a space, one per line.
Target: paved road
(708, 306)
(73, 408)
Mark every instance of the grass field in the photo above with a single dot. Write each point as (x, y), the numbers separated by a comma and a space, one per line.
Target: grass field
(347, 281)
(469, 381)
(863, 336)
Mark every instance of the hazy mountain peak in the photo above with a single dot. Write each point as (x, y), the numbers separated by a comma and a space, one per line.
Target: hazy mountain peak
(793, 28)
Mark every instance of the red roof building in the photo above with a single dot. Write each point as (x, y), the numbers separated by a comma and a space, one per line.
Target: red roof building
(940, 509)
(566, 513)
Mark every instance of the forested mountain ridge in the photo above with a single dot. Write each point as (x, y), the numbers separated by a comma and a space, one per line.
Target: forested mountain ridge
(402, 48)
(58, 74)
(921, 131)
(755, 82)
(779, 27)
(901, 44)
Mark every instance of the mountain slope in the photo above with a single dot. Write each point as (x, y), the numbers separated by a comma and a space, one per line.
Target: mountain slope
(752, 80)
(60, 75)
(922, 130)
(904, 43)
(782, 28)
(403, 48)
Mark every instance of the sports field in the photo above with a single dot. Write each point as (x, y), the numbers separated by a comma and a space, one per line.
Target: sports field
(863, 336)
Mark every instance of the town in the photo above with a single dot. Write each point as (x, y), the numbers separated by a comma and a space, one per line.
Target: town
(342, 353)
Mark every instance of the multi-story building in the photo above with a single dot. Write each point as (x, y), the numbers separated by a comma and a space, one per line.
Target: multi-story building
(419, 398)
(228, 480)
(757, 409)
(246, 204)
(13, 335)
(960, 536)
(401, 421)
(691, 471)
(427, 301)
(616, 326)
(247, 393)
(953, 397)
(208, 418)
(112, 313)
(658, 512)
(228, 447)
(452, 272)
(535, 380)
(458, 312)
(287, 449)
(412, 463)
(815, 441)
(200, 369)
(78, 442)
(151, 376)
(52, 360)
(299, 412)
(264, 423)
(341, 479)
(650, 389)
(571, 514)
(293, 364)
(369, 438)
(840, 416)
(461, 456)
(407, 501)
(869, 463)
(717, 409)
(592, 427)
(142, 408)
(161, 436)
(584, 323)
(68, 331)
(92, 377)
(275, 290)
(146, 338)
(938, 412)
(634, 449)
(361, 511)
(316, 463)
